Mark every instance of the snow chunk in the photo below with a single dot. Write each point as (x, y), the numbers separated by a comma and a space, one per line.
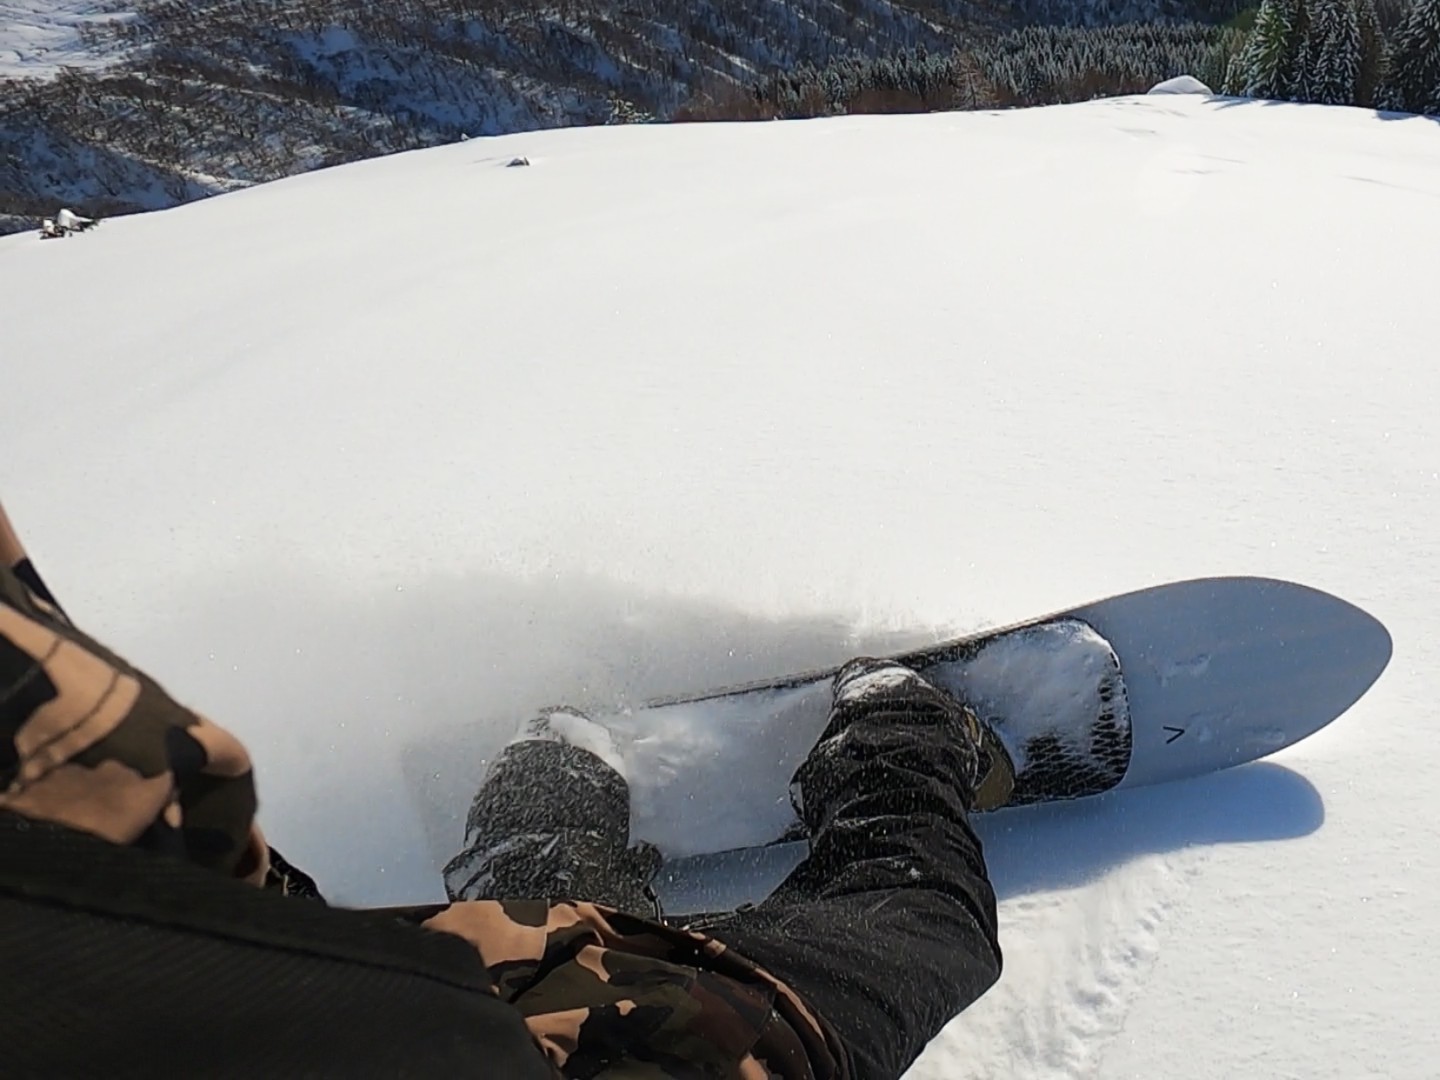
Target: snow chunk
(1181, 84)
(1049, 681)
(876, 681)
(568, 726)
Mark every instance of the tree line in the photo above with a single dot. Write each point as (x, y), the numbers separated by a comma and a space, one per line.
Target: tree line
(1332, 52)
(1336, 52)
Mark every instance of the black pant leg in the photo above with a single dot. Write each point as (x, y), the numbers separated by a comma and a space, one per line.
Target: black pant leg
(551, 820)
(888, 928)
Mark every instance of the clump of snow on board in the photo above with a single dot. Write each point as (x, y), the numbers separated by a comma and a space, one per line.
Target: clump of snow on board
(569, 726)
(1050, 680)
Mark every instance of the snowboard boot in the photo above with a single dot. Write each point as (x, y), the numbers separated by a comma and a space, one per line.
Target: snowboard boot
(552, 821)
(881, 694)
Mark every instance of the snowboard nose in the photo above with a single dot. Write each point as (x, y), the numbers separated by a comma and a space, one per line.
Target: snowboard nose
(1221, 671)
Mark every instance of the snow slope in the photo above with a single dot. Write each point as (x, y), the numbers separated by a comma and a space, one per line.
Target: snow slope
(40, 37)
(683, 405)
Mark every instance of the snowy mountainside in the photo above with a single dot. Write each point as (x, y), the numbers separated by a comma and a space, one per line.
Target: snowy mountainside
(687, 405)
(40, 37)
(206, 97)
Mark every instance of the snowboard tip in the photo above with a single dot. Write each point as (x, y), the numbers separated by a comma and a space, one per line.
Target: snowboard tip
(1222, 671)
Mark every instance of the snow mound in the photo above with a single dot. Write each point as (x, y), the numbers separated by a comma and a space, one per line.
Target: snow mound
(1181, 84)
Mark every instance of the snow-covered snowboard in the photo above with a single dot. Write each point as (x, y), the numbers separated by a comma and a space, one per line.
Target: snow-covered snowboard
(1150, 686)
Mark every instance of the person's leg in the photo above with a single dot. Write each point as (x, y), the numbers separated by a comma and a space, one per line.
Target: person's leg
(888, 929)
(552, 820)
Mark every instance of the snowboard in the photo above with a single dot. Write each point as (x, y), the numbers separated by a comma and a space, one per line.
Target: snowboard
(1142, 688)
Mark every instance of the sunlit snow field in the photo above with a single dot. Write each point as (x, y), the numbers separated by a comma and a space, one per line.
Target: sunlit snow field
(369, 463)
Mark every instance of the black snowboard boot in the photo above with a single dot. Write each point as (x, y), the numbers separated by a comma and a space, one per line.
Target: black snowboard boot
(552, 821)
(883, 693)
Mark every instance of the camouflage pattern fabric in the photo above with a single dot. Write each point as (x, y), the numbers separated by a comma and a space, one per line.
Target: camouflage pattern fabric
(89, 742)
(608, 994)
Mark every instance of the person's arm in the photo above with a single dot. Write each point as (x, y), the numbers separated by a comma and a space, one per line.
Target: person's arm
(36, 617)
(97, 745)
(12, 555)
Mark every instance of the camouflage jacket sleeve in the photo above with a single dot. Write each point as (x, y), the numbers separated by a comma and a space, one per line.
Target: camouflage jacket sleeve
(88, 742)
(609, 995)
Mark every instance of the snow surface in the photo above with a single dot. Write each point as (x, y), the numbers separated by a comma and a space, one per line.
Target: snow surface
(686, 405)
(39, 37)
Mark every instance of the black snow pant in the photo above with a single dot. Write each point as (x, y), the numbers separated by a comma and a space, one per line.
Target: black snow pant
(887, 929)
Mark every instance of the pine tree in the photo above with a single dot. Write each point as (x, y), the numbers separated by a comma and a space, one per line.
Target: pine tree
(1306, 65)
(1413, 75)
(1236, 74)
(1331, 55)
(1372, 53)
(1270, 66)
(975, 92)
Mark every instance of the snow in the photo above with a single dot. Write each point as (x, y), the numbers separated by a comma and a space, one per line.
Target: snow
(687, 405)
(68, 219)
(690, 757)
(576, 729)
(40, 37)
(1181, 84)
(1052, 679)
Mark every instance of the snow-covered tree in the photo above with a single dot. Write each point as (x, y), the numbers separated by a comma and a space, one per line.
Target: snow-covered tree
(1331, 54)
(1270, 65)
(1412, 82)
(1372, 53)
(1326, 51)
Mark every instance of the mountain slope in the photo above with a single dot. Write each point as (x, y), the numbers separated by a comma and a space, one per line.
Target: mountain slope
(216, 95)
